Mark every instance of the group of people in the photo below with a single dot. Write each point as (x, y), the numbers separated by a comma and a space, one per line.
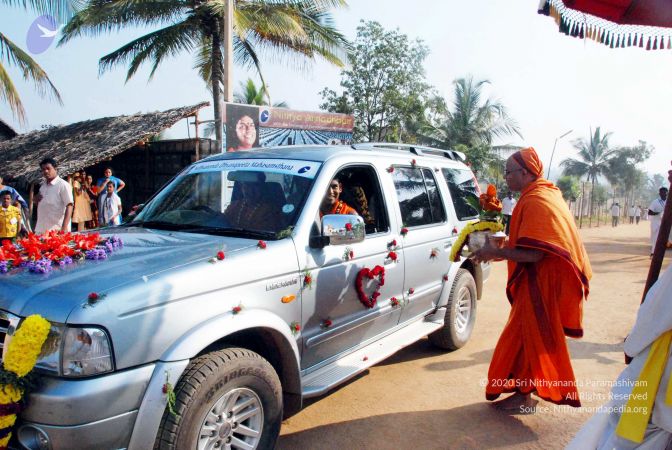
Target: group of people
(635, 214)
(61, 203)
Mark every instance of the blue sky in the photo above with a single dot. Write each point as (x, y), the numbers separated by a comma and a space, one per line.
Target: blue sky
(550, 83)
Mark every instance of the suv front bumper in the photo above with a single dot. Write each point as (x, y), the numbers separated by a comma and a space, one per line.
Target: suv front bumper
(95, 412)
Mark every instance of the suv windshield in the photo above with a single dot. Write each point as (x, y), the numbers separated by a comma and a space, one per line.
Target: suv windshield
(242, 196)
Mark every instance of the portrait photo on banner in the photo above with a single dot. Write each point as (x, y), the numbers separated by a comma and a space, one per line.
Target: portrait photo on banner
(242, 127)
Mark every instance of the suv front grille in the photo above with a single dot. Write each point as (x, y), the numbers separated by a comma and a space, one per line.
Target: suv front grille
(8, 324)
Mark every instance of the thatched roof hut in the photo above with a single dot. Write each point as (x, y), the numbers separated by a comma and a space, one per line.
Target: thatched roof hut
(83, 144)
(6, 132)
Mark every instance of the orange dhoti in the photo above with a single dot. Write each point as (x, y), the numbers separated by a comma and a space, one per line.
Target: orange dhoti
(546, 301)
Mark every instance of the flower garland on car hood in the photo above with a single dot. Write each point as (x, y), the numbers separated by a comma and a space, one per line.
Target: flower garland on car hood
(39, 252)
(16, 377)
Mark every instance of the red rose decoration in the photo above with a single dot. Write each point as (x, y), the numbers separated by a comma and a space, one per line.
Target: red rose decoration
(392, 243)
(348, 226)
(307, 280)
(445, 277)
(411, 291)
(352, 254)
(326, 323)
(366, 358)
(164, 389)
(295, 327)
(434, 253)
(392, 256)
(404, 231)
(394, 302)
(220, 255)
(94, 296)
(261, 245)
(413, 162)
(236, 309)
(390, 169)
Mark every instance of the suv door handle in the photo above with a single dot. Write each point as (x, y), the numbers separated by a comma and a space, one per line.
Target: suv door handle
(389, 261)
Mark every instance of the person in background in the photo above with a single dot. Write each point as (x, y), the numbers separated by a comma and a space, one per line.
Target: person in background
(20, 203)
(638, 214)
(615, 214)
(82, 210)
(548, 279)
(508, 203)
(656, 209)
(109, 207)
(631, 214)
(10, 218)
(92, 191)
(54, 200)
(108, 177)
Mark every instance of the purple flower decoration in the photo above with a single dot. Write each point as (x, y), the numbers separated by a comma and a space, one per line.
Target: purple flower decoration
(4, 266)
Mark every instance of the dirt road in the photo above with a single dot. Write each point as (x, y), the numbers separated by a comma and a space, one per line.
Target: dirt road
(422, 398)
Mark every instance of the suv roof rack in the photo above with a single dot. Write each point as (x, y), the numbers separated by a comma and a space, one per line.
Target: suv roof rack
(418, 150)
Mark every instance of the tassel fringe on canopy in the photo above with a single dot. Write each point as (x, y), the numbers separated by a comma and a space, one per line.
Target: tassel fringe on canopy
(585, 26)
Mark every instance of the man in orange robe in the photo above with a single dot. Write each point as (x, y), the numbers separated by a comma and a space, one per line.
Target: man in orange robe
(548, 280)
(332, 204)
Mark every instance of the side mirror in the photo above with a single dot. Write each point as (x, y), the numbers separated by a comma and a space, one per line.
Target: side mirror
(343, 229)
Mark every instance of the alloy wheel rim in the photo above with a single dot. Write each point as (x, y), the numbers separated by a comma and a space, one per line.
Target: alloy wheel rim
(463, 312)
(234, 421)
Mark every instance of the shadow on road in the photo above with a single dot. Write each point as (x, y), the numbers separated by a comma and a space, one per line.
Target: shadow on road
(467, 427)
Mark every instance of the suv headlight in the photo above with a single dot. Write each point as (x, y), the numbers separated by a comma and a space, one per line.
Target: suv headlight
(76, 351)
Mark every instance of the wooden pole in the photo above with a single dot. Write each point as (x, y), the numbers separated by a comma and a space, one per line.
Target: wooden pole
(228, 52)
(197, 147)
(661, 243)
(31, 196)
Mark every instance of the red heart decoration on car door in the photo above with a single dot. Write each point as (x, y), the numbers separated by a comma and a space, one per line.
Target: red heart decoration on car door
(378, 271)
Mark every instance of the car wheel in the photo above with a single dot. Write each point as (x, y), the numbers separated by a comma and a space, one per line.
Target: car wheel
(460, 314)
(230, 398)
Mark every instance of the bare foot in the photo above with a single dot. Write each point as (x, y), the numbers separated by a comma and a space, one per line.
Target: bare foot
(523, 403)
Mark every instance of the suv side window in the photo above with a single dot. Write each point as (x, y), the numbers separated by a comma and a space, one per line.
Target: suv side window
(462, 185)
(361, 191)
(419, 198)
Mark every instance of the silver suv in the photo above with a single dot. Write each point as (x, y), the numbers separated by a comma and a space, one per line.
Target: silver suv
(232, 287)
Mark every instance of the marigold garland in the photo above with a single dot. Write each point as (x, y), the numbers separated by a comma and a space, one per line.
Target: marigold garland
(461, 240)
(20, 359)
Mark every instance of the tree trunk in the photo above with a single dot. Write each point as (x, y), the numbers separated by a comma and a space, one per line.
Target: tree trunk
(217, 84)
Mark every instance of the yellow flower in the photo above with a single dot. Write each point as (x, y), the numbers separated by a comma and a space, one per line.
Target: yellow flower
(26, 344)
(9, 394)
(470, 228)
(7, 421)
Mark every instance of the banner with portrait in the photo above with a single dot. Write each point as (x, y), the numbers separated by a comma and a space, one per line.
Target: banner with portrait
(250, 126)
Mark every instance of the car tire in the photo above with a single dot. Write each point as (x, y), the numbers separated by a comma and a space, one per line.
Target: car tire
(460, 314)
(216, 389)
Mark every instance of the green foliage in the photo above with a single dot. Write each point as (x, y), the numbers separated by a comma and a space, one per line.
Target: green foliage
(569, 186)
(250, 94)
(384, 87)
(472, 125)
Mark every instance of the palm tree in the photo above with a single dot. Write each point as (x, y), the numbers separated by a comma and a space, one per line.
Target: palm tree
(473, 123)
(250, 94)
(31, 70)
(285, 28)
(594, 159)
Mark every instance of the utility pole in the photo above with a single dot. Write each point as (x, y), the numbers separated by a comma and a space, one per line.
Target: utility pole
(228, 49)
(548, 175)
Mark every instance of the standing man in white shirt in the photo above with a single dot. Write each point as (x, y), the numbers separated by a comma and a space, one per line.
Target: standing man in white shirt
(615, 214)
(656, 213)
(631, 214)
(54, 201)
(638, 214)
(508, 203)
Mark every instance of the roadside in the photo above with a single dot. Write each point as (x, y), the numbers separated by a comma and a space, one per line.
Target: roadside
(425, 399)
